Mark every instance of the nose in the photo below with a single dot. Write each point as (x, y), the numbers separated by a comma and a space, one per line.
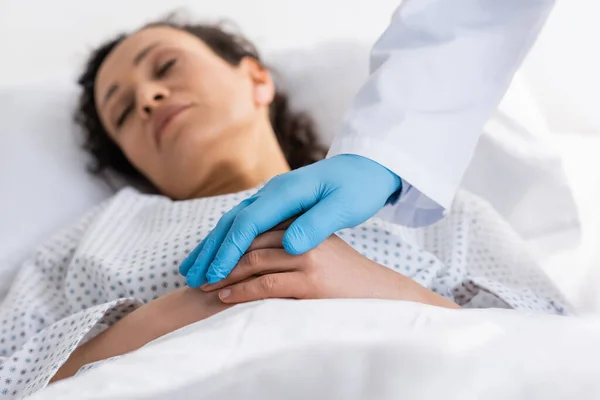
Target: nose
(149, 97)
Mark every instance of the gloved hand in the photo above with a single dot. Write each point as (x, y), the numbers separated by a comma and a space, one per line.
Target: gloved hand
(332, 194)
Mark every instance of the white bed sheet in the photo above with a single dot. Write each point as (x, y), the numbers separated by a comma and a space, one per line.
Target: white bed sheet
(355, 349)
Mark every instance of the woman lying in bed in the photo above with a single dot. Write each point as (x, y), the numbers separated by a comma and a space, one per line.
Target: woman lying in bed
(192, 112)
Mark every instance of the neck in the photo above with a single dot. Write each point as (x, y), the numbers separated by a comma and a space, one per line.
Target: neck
(248, 160)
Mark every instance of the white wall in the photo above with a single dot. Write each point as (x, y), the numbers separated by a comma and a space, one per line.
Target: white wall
(42, 37)
(49, 39)
(564, 67)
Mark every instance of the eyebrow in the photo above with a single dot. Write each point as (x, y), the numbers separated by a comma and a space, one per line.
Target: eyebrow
(142, 54)
(137, 59)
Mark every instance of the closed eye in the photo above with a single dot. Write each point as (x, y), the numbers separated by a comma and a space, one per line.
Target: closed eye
(123, 117)
(164, 69)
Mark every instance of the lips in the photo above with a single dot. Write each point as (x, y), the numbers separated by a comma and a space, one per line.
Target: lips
(163, 117)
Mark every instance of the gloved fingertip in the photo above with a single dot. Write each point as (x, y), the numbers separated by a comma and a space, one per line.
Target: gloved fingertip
(191, 259)
(293, 247)
(213, 278)
(293, 244)
(185, 266)
(194, 279)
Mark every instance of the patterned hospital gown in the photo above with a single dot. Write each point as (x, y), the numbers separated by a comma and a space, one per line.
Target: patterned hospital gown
(127, 251)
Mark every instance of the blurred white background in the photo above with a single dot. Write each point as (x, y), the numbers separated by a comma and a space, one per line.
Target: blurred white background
(59, 33)
(47, 41)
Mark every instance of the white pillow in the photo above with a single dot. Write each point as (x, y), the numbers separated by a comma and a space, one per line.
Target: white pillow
(43, 180)
(45, 185)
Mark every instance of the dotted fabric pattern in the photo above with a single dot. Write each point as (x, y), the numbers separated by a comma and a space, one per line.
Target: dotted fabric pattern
(127, 252)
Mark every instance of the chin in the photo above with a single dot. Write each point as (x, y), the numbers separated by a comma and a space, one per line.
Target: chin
(179, 179)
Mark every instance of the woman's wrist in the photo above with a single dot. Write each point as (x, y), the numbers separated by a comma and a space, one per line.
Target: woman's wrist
(149, 322)
(412, 291)
(129, 334)
(181, 308)
(400, 287)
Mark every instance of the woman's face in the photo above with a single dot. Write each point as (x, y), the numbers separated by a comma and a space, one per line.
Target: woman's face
(176, 109)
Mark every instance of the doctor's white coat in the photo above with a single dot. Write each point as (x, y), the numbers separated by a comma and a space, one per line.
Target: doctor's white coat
(437, 74)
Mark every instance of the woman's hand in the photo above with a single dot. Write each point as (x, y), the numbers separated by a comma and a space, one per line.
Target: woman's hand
(329, 195)
(331, 270)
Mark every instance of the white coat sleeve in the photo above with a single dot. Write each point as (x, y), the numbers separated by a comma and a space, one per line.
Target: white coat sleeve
(437, 74)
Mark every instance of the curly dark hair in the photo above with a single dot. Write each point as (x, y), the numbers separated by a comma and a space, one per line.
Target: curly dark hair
(295, 131)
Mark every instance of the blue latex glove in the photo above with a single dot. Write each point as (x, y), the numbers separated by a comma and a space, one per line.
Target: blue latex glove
(339, 192)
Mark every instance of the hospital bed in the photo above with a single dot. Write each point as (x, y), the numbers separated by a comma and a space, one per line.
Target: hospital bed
(355, 349)
(333, 349)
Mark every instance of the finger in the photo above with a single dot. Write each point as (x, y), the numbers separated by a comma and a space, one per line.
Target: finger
(270, 239)
(284, 285)
(260, 216)
(258, 262)
(191, 259)
(284, 225)
(210, 245)
(311, 228)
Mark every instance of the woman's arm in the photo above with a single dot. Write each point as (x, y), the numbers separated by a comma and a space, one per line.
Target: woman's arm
(331, 270)
(149, 322)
